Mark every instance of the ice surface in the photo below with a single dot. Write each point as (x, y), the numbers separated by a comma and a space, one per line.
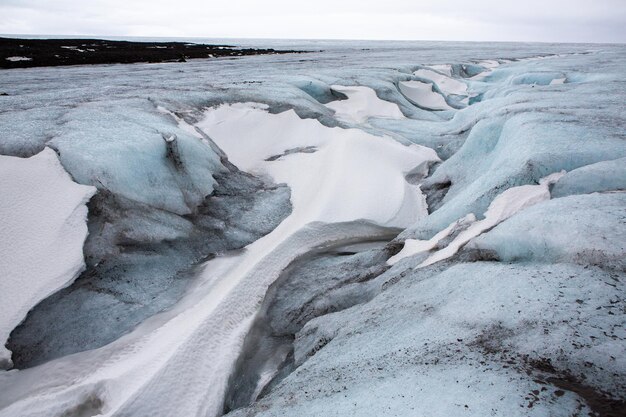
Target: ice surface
(585, 229)
(140, 261)
(445, 69)
(539, 78)
(42, 232)
(501, 152)
(467, 341)
(232, 286)
(312, 286)
(510, 202)
(319, 90)
(599, 177)
(126, 153)
(146, 135)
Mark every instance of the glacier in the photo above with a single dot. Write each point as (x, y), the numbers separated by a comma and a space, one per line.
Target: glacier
(368, 228)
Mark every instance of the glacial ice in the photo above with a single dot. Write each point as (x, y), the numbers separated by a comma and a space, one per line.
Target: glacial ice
(505, 205)
(414, 247)
(118, 128)
(230, 196)
(319, 90)
(248, 134)
(594, 178)
(140, 261)
(409, 350)
(43, 228)
(445, 69)
(327, 280)
(539, 78)
(150, 222)
(503, 152)
(583, 229)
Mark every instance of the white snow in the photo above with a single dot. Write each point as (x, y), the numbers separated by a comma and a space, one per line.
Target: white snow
(489, 63)
(361, 104)
(446, 84)
(558, 81)
(335, 183)
(42, 232)
(423, 95)
(443, 68)
(414, 246)
(501, 208)
(182, 124)
(18, 58)
(73, 48)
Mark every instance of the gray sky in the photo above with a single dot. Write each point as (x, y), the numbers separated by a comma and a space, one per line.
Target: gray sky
(498, 20)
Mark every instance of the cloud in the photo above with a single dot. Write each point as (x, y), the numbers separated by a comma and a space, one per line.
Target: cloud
(530, 20)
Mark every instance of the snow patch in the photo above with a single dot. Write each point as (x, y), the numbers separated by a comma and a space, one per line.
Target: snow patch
(362, 103)
(446, 84)
(42, 232)
(18, 58)
(489, 63)
(334, 184)
(414, 246)
(423, 95)
(501, 208)
(442, 68)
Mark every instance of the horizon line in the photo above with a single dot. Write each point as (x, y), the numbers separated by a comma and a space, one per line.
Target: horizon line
(103, 36)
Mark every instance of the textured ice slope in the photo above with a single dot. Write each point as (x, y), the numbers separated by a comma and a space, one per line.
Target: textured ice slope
(124, 154)
(542, 335)
(603, 176)
(517, 137)
(150, 224)
(584, 229)
(477, 339)
(42, 232)
(507, 204)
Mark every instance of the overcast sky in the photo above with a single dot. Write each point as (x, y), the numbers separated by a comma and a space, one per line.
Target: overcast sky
(480, 20)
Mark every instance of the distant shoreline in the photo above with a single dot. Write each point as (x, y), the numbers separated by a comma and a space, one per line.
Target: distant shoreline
(28, 53)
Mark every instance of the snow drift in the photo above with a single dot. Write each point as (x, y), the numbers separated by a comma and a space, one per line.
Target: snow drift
(42, 233)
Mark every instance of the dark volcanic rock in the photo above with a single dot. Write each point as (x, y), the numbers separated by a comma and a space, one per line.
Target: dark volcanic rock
(24, 53)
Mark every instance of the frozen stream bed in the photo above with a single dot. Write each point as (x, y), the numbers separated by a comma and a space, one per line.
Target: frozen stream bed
(428, 229)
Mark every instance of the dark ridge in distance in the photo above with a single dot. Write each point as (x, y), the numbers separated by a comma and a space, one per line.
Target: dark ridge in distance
(26, 53)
